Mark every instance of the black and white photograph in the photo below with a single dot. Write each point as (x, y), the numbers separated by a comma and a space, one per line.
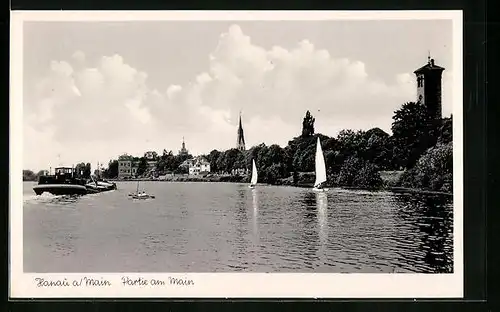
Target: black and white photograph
(175, 150)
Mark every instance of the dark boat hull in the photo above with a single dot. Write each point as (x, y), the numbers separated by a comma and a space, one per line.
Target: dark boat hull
(70, 189)
(64, 182)
(60, 189)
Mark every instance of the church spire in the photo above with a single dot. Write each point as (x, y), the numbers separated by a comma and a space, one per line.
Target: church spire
(183, 150)
(240, 143)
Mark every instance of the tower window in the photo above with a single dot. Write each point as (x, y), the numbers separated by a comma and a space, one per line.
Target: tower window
(420, 81)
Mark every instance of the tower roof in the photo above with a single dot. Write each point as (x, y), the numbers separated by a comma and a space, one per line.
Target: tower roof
(430, 66)
(240, 143)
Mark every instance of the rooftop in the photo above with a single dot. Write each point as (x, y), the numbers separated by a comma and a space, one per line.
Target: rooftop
(429, 67)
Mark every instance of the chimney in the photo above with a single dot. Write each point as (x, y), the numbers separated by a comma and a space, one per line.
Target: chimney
(432, 62)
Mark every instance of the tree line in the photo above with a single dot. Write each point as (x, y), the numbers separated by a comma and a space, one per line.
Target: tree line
(420, 146)
(29, 175)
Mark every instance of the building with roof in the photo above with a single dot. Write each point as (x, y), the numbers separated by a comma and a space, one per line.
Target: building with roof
(198, 165)
(125, 166)
(429, 88)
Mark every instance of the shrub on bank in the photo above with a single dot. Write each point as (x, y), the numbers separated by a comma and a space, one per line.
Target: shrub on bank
(368, 177)
(433, 171)
(358, 173)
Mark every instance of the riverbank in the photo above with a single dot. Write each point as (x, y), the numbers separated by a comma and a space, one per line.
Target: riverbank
(389, 179)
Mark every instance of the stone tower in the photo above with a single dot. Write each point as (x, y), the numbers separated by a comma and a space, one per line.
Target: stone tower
(240, 142)
(429, 87)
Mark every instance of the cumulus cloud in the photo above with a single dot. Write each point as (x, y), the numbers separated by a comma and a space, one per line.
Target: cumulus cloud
(79, 57)
(111, 102)
(284, 83)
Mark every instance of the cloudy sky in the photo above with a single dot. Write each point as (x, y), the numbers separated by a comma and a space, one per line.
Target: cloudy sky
(95, 90)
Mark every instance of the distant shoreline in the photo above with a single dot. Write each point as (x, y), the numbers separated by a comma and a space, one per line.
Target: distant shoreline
(237, 179)
(400, 190)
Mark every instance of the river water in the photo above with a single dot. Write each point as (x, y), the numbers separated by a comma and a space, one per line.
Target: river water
(223, 227)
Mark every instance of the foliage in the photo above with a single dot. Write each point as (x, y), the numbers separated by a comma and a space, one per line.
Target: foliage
(168, 162)
(368, 176)
(83, 170)
(273, 173)
(308, 125)
(414, 131)
(378, 148)
(349, 170)
(301, 151)
(446, 131)
(254, 153)
(434, 170)
(359, 173)
(29, 175)
(353, 158)
(142, 167)
(231, 159)
(181, 170)
(112, 171)
(212, 159)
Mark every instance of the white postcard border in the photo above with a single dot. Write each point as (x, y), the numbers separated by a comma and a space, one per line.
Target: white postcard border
(224, 285)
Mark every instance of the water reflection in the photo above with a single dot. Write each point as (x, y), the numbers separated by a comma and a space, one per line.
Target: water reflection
(309, 230)
(230, 228)
(255, 206)
(241, 229)
(309, 203)
(322, 205)
(431, 219)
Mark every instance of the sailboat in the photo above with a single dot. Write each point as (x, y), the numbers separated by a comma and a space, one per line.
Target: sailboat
(320, 169)
(139, 195)
(253, 181)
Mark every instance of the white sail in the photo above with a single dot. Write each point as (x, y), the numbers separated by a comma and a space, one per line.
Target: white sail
(254, 174)
(320, 165)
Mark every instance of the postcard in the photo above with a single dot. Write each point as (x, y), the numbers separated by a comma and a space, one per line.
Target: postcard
(233, 154)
